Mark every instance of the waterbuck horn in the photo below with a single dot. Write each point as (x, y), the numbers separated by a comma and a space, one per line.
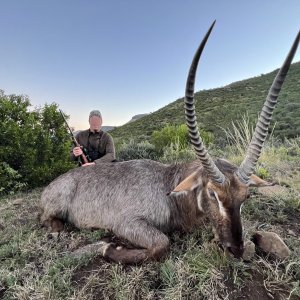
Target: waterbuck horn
(191, 120)
(253, 152)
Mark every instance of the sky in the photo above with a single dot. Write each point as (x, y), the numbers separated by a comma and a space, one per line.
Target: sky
(132, 57)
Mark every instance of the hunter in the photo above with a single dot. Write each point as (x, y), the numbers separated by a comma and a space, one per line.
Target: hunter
(96, 144)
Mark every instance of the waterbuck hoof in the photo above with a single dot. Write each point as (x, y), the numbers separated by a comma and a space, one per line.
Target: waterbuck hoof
(56, 225)
(249, 250)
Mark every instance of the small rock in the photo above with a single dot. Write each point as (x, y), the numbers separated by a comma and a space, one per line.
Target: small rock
(17, 201)
(249, 250)
(270, 242)
(291, 232)
(99, 247)
(272, 190)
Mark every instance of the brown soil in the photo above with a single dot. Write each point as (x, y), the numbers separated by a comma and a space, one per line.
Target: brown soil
(293, 222)
(80, 275)
(272, 190)
(99, 268)
(254, 289)
(99, 264)
(2, 291)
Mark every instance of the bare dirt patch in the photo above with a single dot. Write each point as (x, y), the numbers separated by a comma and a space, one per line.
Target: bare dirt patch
(81, 273)
(255, 289)
(272, 190)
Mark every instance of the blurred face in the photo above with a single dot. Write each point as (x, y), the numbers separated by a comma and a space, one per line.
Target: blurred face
(95, 123)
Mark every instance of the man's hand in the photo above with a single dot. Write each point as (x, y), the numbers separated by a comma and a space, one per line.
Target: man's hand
(77, 151)
(88, 164)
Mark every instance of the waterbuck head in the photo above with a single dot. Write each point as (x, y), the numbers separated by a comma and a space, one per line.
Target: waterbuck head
(222, 187)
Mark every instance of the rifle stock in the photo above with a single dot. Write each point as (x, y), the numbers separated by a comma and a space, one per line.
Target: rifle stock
(82, 156)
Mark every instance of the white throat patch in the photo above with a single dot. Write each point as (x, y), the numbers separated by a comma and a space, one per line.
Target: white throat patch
(221, 206)
(199, 201)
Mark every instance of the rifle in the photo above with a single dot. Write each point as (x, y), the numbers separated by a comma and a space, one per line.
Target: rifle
(84, 158)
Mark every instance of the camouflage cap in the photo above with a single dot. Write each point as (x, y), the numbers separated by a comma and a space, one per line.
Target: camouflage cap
(95, 113)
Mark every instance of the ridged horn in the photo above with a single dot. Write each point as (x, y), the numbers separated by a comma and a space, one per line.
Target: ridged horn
(253, 152)
(191, 120)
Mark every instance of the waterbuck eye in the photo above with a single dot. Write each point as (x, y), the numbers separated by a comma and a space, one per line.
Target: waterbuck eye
(211, 193)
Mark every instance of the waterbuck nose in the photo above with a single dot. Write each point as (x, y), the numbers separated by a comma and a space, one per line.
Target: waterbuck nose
(236, 251)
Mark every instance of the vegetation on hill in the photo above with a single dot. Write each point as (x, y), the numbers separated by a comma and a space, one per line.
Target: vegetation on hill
(136, 117)
(217, 108)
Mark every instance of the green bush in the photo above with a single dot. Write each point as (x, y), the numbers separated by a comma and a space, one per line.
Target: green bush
(177, 135)
(134, 150)
(10, 180)
(262, 172)
(175, 154)
(33, 142)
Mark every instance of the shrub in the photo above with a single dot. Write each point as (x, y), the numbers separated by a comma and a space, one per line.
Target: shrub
(262, 172)
(176, 135)
(134, 150)
(169, 135)
(34, 143)
(9, 180)
(175, 154)
(239, 135)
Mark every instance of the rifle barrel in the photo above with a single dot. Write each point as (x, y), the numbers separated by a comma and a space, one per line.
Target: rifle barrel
(82, 156)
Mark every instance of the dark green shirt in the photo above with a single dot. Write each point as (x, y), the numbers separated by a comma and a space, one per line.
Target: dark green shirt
(100, 145)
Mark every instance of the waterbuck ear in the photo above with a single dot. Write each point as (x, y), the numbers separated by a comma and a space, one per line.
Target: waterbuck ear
(258, 182)
(188, 184)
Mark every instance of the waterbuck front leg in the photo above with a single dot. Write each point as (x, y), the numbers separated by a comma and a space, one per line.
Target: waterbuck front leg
(153, 243)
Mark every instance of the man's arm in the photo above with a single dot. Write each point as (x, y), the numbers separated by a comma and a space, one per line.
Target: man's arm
(76, 151)
(110, 152)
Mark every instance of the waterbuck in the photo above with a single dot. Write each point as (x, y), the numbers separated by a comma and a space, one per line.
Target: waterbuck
(144, 200)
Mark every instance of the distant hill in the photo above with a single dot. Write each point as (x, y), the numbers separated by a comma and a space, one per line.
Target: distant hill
(104, 128)
(108, 128)
(136, 117)
(218, 107)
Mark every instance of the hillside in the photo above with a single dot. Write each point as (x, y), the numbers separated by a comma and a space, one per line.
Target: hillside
(219, 107)
(136, 117)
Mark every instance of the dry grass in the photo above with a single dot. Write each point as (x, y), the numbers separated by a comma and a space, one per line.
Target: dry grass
(35, 265)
